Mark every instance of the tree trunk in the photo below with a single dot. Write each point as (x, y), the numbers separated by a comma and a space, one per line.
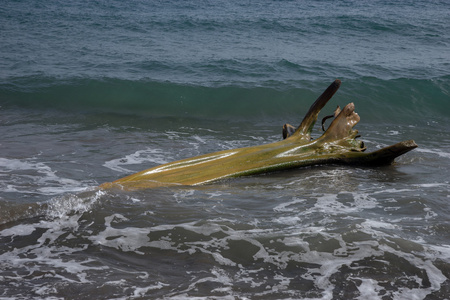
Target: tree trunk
(337, 145)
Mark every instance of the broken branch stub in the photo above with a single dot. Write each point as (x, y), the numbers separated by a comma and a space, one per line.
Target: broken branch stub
(337, 145)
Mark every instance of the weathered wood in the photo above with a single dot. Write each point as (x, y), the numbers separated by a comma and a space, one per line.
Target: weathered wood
(337, 145)
(306, 126)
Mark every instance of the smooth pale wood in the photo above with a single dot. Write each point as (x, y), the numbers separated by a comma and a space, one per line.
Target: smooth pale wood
(336, 145)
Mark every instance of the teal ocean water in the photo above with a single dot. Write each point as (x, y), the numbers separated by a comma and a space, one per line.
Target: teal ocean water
(92, 91)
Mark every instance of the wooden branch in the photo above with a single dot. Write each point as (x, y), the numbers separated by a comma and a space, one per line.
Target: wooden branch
(310, 118)
(337, 145)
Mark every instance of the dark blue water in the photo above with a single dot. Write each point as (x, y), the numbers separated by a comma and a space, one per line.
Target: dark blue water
(94, 91)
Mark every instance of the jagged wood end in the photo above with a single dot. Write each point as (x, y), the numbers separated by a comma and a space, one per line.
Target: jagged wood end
(384, 156)
(307, 124)
(341, 130)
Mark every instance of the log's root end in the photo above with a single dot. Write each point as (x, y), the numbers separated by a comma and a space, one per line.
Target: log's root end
(341, 135)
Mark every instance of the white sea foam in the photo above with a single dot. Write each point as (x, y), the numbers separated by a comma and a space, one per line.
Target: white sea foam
(266, 266)
(330, 263)
(393, 132)
(369, 289)
(174, 134)
(436, 152)
(434, 274)
(323, 265)
(46, 254)
(27, 173)
(62, 206)
(285, 207)
(125, 239)
(377, 224)
(198, 139)
(432, 185)
(341, 204)
(155, 156)
(18, 230)
(392, 191)
(142, 291)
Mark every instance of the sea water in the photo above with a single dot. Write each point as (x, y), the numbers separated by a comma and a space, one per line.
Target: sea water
(92, 91)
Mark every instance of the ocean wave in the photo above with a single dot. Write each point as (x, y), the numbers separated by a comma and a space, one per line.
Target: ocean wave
(390, 99)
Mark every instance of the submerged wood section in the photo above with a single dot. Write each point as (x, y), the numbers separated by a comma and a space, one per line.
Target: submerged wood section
(338, 144)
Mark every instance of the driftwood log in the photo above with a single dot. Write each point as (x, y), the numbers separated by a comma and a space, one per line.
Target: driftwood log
(338, 144)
